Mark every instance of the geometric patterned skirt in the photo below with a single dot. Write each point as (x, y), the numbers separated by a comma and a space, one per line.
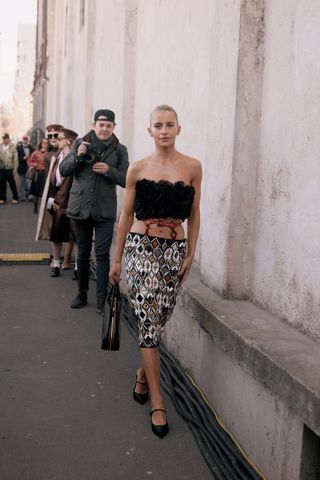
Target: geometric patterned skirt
(152, 265)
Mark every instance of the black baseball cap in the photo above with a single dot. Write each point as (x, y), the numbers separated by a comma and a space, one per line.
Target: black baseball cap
(104, 114)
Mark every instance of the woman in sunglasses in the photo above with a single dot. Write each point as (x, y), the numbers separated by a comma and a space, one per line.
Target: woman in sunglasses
(53, 138)
(57, 202)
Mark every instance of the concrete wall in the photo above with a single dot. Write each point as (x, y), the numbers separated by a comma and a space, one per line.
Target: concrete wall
(85, 67)
(243, 76)
(286, 266)
(268, 430)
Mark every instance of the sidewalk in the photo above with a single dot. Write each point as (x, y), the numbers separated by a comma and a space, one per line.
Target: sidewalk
(66, 408)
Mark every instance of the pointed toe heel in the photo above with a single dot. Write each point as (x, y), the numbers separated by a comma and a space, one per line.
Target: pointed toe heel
(159, 430)
(140, 397)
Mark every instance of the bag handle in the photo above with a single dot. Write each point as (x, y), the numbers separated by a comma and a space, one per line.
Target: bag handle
(114, 291)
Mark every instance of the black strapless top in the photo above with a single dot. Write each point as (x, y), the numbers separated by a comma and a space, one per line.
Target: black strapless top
(163, 199)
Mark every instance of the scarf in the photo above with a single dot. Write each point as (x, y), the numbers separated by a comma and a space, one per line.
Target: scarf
(99, 147)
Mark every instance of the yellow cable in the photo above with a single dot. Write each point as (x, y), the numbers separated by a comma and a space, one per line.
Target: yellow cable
(224, 428)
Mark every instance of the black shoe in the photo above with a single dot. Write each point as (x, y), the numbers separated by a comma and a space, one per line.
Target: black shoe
(140, 397)
(80, 301)
(159, 430)
(75, 275)
(55, 272)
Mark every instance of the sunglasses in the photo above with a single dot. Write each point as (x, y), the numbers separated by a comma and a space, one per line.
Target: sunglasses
(53, 135)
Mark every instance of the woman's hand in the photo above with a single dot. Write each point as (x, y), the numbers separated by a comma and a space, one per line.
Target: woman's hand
(115, 273)
(185, 269)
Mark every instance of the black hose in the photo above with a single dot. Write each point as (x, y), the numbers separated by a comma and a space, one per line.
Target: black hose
(223, 457)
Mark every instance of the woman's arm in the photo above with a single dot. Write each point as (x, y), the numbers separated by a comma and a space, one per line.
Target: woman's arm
(193, 222)
(31, 159)
(125, 223)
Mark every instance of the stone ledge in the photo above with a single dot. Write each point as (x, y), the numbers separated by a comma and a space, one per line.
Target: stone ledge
(273, 352)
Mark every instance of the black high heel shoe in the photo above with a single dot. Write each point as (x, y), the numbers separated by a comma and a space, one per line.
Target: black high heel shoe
(159, 430)
(140, 397)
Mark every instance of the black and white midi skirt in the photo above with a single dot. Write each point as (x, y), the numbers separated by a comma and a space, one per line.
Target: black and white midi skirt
(153, 265)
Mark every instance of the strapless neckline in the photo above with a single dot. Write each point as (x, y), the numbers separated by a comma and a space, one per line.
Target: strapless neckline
(178, 182)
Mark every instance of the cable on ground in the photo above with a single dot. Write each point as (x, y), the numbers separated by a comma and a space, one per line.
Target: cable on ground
(223, 454)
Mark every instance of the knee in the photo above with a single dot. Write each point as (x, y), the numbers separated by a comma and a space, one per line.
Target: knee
(83, 254)
(102, 255)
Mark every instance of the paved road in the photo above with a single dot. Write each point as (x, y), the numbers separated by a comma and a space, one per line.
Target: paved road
(66, 408)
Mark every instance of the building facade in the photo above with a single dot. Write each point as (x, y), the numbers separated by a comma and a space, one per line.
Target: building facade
(22, 100)
(243, 76)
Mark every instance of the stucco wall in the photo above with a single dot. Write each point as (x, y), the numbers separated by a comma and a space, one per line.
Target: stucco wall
(218, 64)
(286, 267)
(85, 64)
(192, 66)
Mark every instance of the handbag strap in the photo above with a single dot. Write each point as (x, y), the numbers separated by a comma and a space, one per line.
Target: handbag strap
(114, 292)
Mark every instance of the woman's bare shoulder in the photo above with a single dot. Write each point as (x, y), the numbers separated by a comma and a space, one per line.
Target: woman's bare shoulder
(139, 165)
(190, 162)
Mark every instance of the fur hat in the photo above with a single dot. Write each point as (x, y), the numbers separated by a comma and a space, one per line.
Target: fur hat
(54, 128)
(68, 134)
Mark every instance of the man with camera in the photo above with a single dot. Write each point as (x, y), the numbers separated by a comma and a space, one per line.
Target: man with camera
(98, 163)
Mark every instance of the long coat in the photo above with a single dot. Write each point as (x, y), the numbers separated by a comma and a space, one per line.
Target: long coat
(55, 225)
(61, 230)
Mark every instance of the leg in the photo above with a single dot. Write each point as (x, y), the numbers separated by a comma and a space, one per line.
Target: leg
(3, 186)
(55, 270)
(12, 184)
(75, 273)
(141, 386)
(67, 255)
(84, 231)
(19, 186)
(23, 188)
(35, 204)
(151, 366)
(103, 240)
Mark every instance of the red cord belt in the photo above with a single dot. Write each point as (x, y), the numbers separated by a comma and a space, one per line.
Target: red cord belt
(162, 223)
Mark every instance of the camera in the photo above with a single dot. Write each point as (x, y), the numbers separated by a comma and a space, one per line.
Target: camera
(91, 157)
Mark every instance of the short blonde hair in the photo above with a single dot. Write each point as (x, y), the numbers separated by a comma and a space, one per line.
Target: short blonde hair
(166, 108)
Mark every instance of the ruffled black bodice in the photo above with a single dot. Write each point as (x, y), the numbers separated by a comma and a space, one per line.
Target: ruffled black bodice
(163, 199)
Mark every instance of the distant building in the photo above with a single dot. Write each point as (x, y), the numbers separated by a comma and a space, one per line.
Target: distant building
(22, 100)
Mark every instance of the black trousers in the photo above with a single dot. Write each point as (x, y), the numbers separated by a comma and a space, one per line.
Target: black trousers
(103, 239)
(6, 175)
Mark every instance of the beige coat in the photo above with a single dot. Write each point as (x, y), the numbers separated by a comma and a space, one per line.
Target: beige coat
(9, 158)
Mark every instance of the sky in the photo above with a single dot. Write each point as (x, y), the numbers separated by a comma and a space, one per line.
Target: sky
(12, 13)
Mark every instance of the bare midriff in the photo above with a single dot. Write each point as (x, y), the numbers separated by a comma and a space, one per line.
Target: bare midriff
(170, 228)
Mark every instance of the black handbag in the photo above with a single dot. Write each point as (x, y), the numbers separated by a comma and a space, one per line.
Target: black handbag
(111, 320)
